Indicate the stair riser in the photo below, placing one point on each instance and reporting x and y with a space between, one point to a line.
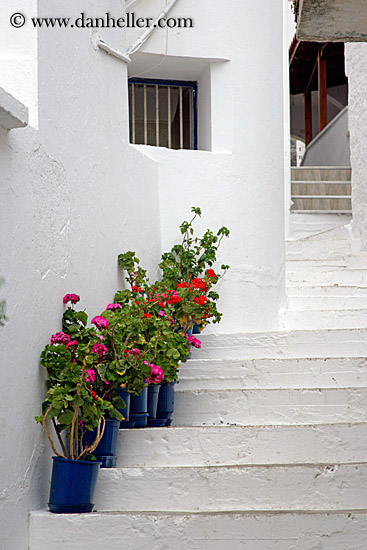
326 302
234 445
311 253
293 531
334 204
259 407
310 320
283 344
313 188
341 277
264 488
318 292
321 174
273 373
340 264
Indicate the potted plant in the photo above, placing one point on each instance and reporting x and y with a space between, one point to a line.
73 407
143 341
188 268
181 303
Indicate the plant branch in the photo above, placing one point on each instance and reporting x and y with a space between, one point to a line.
59 437
48 434
156 346
90 449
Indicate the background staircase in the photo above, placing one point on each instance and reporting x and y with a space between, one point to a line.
316 189
269 446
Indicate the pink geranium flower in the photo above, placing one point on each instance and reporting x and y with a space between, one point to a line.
73 298
156 374
71 344
193 341
99 349
60 338
91 375
133 351
113 307
100 322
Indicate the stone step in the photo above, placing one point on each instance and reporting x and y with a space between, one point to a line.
233 488
341 291
301 250
257 407
317 173
321 204
327 244
322 319
345 262
305 225
306 303
242 445
199 531
332 276
284 344
234 374
306 188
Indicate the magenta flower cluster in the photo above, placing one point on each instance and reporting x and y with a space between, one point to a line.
133 351
71 344
73 298
100 322
113 307
60 338
156 374
193 341
91 375
99 349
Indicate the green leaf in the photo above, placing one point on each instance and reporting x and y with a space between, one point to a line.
65 418
82 317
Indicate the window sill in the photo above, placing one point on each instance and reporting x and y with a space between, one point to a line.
155 152
13 114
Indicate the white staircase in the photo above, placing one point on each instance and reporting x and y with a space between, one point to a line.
269 445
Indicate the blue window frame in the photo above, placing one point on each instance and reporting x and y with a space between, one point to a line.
163 113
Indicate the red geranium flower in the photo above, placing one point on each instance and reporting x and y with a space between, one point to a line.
201 300
183 285
210 273
174 300
199 284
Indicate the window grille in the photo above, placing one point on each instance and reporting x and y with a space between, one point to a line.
163 113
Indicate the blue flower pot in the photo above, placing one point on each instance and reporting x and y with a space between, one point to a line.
139 408
153 391
125 395
166 399
106 448
157 422
139 403
72 485
140 420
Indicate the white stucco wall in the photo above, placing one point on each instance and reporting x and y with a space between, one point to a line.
240 182
73 196
356 69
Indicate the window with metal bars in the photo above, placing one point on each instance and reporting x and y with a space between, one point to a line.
163 113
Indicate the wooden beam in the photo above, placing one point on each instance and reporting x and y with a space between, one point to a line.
311 79
308 117
321 64
297 45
